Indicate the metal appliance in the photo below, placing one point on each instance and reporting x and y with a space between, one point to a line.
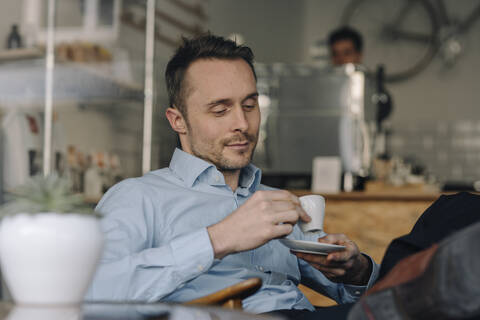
309 112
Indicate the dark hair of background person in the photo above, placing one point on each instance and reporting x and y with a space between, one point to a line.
346 33
206 46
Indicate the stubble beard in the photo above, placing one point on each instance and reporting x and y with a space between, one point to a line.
213 152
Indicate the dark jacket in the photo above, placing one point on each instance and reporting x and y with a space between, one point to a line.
445 216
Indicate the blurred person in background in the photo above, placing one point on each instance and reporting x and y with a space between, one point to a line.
346 45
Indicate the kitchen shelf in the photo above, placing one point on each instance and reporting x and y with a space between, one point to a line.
20 53
23 82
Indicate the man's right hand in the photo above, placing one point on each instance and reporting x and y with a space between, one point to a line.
265 216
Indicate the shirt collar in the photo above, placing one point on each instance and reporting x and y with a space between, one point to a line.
250 177
189 168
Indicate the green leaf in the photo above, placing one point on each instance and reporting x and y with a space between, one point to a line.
45 194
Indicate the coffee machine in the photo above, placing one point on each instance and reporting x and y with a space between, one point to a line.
309 112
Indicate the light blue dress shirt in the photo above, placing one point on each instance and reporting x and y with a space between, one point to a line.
157 246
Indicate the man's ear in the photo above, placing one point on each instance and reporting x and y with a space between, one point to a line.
177 122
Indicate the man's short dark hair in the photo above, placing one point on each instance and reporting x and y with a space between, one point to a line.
206 46
346 33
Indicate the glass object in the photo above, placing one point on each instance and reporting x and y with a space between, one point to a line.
14 40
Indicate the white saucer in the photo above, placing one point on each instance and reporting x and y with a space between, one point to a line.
311 246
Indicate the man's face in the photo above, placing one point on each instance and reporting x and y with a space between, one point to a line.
223 116
343 51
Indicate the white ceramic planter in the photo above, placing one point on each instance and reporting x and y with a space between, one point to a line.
49 258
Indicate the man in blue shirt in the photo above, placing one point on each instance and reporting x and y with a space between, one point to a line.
206 222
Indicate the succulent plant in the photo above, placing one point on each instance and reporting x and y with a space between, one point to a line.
45 194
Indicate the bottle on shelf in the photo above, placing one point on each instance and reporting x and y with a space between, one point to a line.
14 40
93 184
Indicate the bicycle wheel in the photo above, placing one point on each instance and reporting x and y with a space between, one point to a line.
400 34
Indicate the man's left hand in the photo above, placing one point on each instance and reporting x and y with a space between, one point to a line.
348 266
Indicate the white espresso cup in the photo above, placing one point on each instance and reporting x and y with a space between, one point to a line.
314 206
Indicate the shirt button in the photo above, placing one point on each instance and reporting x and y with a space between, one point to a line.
217 178
357 293
200 267
260 268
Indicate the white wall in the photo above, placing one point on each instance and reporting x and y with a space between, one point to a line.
273 29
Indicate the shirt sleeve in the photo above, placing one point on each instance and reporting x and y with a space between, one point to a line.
340 292
130 268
